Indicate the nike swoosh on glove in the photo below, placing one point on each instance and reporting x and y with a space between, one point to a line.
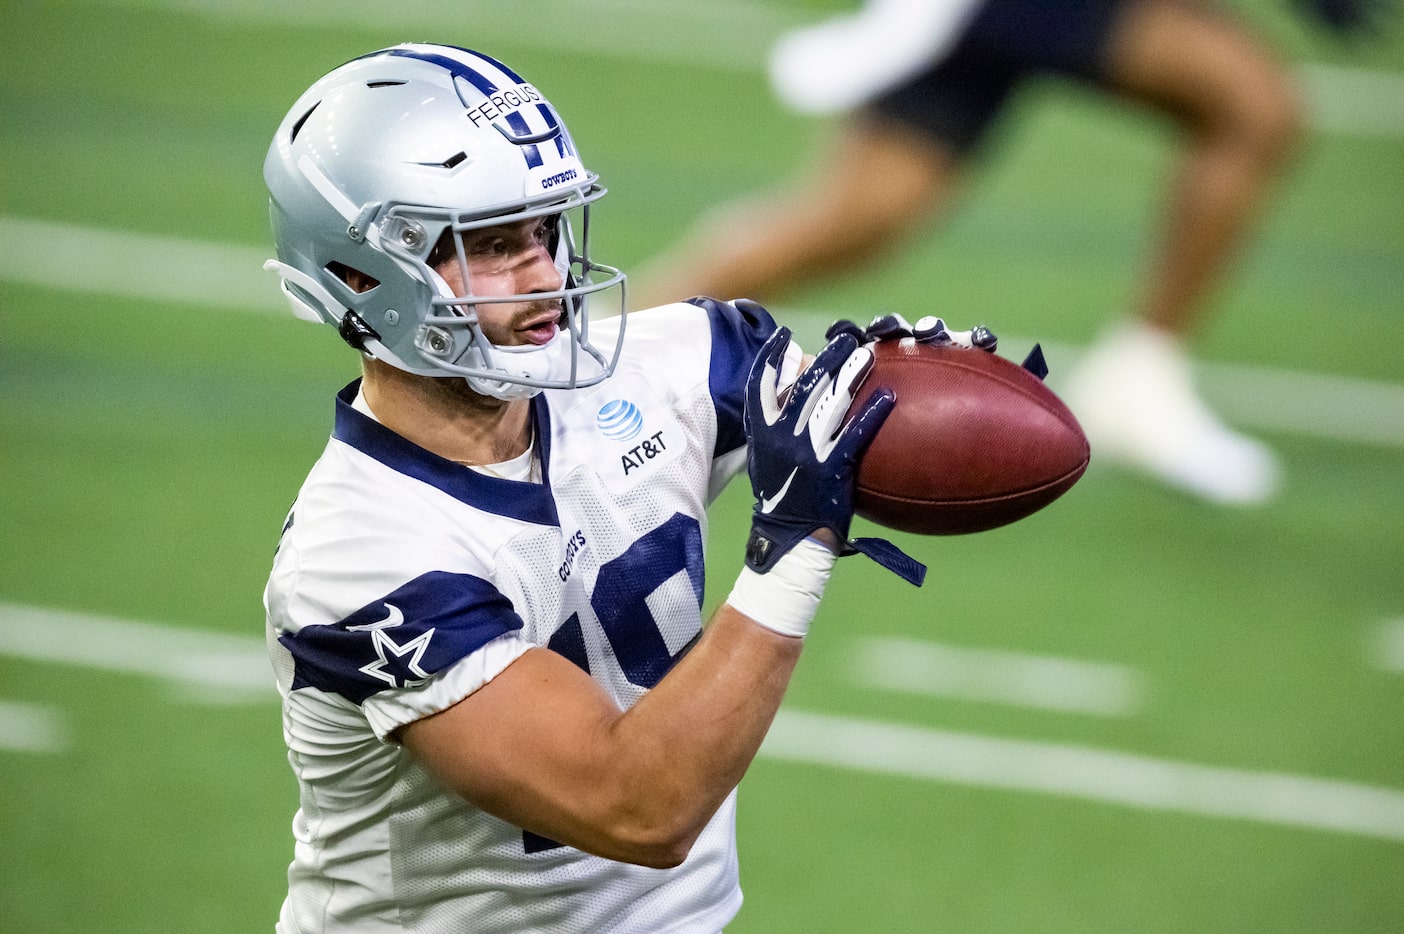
803 457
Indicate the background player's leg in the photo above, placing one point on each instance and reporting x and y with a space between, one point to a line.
874 184
1238 116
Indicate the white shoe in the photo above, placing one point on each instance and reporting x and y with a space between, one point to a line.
842 61
1135 399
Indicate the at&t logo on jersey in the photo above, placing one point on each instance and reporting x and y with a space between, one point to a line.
623 422
619 420
646 450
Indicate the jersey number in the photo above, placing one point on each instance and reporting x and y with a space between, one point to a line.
620 605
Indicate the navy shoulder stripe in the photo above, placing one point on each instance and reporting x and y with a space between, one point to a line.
738 330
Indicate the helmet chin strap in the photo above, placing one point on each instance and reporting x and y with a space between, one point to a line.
538 361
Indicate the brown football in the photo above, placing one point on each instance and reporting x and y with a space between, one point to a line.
974 442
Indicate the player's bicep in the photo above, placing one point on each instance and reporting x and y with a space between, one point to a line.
527 747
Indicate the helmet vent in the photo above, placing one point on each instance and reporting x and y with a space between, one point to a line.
455 159
355 280
297 127
383 84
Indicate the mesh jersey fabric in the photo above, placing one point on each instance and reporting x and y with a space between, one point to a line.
404 582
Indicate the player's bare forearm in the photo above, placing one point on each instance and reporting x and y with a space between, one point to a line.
542 746
699 729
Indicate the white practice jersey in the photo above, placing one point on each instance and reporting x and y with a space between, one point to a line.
404 582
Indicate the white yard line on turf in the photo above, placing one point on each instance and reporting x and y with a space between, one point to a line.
212 664
31 728
198 274
1314 405
193 273
1039 681
1096 775
1388 649
1353 101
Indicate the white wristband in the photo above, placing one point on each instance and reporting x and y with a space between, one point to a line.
785 598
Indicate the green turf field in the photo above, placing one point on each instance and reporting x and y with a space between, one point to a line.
1220 747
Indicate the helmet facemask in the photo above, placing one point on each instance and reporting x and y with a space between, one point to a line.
451 336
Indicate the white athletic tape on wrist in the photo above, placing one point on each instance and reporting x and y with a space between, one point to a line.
785 598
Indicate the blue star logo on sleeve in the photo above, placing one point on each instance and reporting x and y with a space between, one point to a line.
401 639
396 664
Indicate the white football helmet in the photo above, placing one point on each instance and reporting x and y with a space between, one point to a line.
393 151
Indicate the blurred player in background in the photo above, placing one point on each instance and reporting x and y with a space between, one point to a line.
924 82
484 613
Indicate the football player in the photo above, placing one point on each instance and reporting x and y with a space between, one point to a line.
500 704
924 84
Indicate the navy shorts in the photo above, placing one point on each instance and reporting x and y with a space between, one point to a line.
1006 42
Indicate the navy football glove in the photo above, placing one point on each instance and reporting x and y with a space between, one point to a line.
803 459
927 330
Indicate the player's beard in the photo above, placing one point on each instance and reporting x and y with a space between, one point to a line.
458 392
